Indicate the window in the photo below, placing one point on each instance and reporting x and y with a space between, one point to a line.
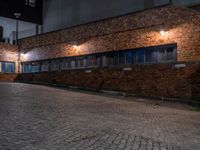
85 62
7 67
91 61
150 56
166 54
45 66
161 54
170 54
94 61
104 61
122 58
140 57
55 65
80 62
155 54
72 63
115 60
26 68
109 59
129 58
65 64
134 60
98 60
35 67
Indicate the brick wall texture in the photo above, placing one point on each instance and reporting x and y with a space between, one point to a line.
164 80
8 77
9 53
141 29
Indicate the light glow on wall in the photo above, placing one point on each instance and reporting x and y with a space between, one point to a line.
163 33
75 46
24 56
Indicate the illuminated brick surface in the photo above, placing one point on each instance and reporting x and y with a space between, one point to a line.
181 26
142 29
9 53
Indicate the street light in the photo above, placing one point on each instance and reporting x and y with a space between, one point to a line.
17 15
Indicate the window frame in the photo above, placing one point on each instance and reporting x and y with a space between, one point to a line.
4 69
109 59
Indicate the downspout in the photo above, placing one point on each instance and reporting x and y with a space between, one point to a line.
19 58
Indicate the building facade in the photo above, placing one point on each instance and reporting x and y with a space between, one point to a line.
154 53
9 60
60 14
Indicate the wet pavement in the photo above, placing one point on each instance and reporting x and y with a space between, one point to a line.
39 117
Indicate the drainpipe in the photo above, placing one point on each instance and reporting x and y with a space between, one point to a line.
17 15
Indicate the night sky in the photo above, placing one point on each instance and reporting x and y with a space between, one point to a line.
31 10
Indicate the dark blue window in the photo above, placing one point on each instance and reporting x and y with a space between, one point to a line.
140 56
154 54
122 58
26 68
45 66
115 59
8 67
166 54
161 54
150 55
35 67
55 65
134 60
109 59
129 58
98 60
85 62
91 61
80 63
104 61
170 54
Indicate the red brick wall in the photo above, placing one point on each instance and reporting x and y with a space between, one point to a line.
8 77
142 29
9 53
182 26
164 80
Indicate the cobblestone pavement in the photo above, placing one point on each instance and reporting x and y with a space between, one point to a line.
39 117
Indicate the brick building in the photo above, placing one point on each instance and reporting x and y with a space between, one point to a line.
154 53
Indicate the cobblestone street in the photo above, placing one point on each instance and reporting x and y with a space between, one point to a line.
39 117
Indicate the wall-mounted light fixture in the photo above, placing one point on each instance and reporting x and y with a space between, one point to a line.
75 46
163 31
23 55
